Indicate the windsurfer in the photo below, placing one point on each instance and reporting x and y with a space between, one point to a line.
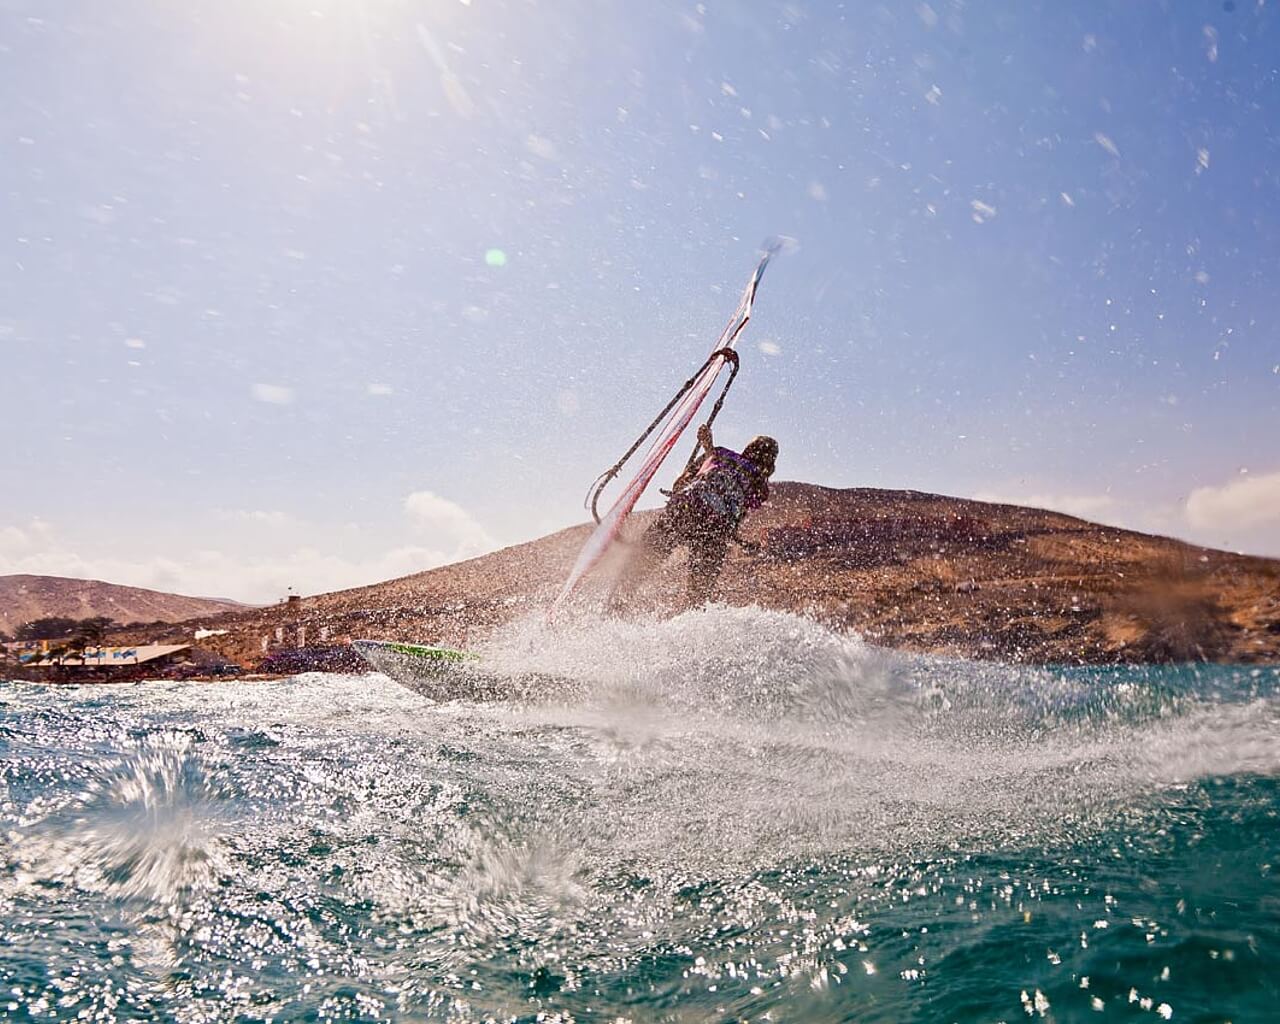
708 503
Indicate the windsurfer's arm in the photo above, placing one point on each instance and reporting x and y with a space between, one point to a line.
700 452
685 478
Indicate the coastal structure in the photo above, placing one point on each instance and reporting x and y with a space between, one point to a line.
50 658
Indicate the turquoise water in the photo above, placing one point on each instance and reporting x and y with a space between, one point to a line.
739 816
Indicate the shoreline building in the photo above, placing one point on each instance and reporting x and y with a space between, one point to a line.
57 660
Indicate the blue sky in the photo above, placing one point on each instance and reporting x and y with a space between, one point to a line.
251 339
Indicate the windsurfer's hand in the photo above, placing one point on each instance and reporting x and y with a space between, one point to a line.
704 436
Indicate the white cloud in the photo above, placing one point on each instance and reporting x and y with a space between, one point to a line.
447 524
12 539
215 573
441 532
1084 506
273 394
1242 504
377 389
1240 515
16 541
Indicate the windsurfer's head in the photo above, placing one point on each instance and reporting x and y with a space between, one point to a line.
763 451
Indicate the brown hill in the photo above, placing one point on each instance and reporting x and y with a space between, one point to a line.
25 598
909 570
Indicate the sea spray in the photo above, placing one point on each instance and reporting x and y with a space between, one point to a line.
143 828
737 813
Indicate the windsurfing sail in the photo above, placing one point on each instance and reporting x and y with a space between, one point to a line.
665 431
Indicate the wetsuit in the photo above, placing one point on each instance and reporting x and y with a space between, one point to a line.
704 515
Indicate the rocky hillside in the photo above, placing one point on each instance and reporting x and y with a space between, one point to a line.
26 598
909 570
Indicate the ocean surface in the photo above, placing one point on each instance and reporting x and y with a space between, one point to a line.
737 816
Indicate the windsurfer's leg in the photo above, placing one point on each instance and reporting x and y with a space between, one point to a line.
653 548
706 556
656 545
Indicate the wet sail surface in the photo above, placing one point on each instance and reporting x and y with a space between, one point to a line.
739 814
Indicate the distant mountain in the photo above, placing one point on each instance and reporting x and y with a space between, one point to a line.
915 571
24 598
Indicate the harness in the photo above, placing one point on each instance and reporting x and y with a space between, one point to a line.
728 485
